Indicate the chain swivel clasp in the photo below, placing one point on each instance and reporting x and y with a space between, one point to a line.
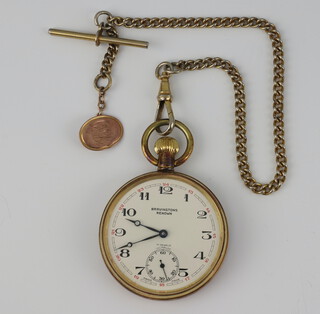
164 99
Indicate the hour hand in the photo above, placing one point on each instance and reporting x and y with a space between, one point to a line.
138 223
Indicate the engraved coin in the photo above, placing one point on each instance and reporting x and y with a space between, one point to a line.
101 132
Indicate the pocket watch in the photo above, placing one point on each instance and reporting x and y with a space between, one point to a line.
164 234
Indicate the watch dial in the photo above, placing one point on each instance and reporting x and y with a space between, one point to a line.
163 235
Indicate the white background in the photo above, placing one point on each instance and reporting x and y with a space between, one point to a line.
53 190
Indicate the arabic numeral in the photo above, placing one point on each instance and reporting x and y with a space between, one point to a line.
165 190
206 235
200 255
202 214
124 253
183 272
141 269
161 279
129 212
120 232
173 273
144 196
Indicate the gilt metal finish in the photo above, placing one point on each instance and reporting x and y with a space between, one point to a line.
92 37
164 101
109 29
240 105
166 148
155 125
133 286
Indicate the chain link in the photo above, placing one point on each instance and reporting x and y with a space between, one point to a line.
240 122
232 71
106 65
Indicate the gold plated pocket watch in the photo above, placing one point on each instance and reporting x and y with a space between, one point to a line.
164 234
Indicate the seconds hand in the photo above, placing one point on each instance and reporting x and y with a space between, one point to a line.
163 266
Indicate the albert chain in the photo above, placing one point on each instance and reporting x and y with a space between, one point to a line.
166 69
108 59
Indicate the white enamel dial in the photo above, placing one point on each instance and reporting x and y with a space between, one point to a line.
163 235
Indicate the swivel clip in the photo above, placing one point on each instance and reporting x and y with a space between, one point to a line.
164 101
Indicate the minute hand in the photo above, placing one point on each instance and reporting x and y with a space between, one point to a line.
138 223
130 244
145 239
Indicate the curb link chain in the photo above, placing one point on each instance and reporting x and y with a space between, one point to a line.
232 71
105 72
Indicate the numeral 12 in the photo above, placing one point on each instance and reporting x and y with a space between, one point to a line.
166 190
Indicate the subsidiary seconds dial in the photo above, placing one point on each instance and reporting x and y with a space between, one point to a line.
163 235
162 265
